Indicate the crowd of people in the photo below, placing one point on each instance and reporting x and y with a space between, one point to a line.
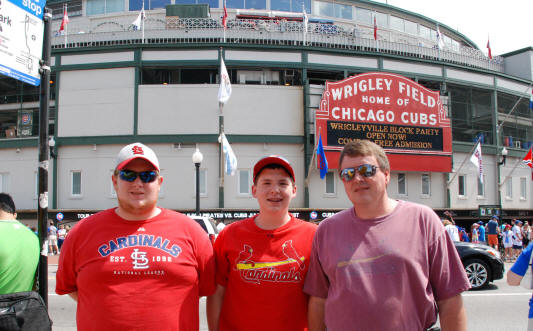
509 237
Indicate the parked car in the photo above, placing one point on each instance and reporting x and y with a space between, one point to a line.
483 264
208 226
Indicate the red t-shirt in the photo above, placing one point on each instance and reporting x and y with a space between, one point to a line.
137 275
263 272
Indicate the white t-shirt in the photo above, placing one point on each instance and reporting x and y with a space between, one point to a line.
452 231
220 226
517 236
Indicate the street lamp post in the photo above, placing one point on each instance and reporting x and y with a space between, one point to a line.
197 158
504 153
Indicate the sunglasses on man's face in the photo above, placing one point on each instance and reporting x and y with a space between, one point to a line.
365 170
130 176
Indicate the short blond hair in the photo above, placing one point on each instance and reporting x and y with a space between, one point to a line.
363 147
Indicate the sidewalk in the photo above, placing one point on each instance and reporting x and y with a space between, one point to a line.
53 259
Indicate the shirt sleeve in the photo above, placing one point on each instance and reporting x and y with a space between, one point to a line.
66 276
206 265
522 263
222 262
446 275
316 281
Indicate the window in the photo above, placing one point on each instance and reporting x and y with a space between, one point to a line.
244 182
75 183
523 188
136 5
424 32
3 182
462 185
330 183
397 23
382 20
509 188
480 187
343 11
96 7
426 187
323 9
411 28
402 184
364 16
211 3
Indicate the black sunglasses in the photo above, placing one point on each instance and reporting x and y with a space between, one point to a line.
130 176
365 170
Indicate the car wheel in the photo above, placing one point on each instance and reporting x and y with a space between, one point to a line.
477 272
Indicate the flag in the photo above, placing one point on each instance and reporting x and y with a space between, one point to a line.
230 159
64 21
440 39
375 28
225 17
224 92
306 20
528 160
531 100
137 23
488 47
477 160
321 158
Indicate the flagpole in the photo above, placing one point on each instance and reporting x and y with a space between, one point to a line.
462 164
312 161
66 25
220 132
142 22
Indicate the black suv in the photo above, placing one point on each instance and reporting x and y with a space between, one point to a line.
482 263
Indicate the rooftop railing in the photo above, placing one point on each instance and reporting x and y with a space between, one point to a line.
119 30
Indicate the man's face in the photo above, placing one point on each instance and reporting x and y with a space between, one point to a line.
137 198
274 190
365 190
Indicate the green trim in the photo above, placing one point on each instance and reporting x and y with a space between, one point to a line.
86 66
137 82
184 139
19 142
307 124
518 51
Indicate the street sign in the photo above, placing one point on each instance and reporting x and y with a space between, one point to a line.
21 39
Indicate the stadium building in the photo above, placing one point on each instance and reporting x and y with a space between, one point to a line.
113 83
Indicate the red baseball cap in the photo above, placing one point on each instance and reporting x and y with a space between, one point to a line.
135 151
273 159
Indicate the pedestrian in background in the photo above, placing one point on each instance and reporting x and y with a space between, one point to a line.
526 234
493 232
481 232
52 239
137 266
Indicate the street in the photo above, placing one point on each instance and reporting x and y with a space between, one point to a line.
499 307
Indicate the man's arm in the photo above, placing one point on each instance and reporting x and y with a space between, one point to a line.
452 314
74 295
315 314
214 306
513 279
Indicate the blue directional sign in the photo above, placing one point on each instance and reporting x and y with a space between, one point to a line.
21 39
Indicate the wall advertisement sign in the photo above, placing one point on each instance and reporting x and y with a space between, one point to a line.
405 118
21 39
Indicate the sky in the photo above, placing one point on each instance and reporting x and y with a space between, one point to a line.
509 24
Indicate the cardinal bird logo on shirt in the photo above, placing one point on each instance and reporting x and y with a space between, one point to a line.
283 270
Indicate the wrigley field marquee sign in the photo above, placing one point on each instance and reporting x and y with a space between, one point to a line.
402 116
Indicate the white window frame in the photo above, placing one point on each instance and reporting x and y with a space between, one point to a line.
461 178
72 195
332 177
405 193
4 177
428 193
481 185
523 188
509 188
248 184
